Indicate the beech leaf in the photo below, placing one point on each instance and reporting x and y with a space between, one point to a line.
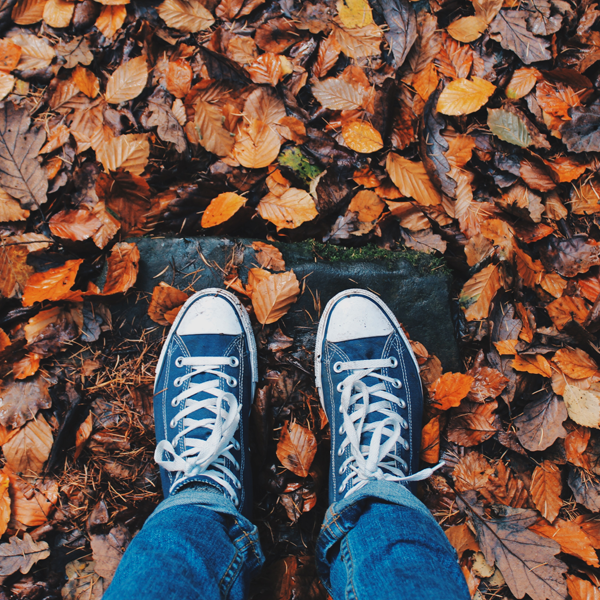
186 15
508 127
463 96
123 267
541 422
546 485
296 448
583 406
411 179
273 296
289 210
222 208
29 449
128 81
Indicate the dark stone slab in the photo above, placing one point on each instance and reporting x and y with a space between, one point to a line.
418 295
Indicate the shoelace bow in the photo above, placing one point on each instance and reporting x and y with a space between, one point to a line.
373 460
205 456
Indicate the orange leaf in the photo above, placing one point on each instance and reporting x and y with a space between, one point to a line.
546 485
268 256
478 293
10 54
450 389
570 537
576 444
430 441
467 29
506 347
522 82
54 284
272 297
567 308
4 503
362 137
179 78
86 81
425 81
366 178
368 205
165 300
123 267
532 363
463 97
580 589
257 145
82 435
4 342
29 449
462 539
75 225
296 448
411 179
289 210
530 271
128 81
472 472
27 366
110 20
267 69
575 363
128 152
222 208
28 12
186 15
58 13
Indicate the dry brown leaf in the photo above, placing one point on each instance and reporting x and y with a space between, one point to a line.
296 448
289 210
54 284
128 81
185 15
123 267
339 94
575 363
209 121
10 54
222 208
127 152
4 503
450 389
28 12
426 81
165 301
532 363
467 29
268 68
411 179
272 297
472 472
27 366
571 538
478 293
268 256
583 406
360 42
58 13
108 549
329 52
86 81
257 145
462 539
21 400
522 82
179 78
430 441
580 589
546 486
110 20
29 449
75 225
7 83
21 554
10 209
83 434
566 309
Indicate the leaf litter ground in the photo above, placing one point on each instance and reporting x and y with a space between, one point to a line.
468 130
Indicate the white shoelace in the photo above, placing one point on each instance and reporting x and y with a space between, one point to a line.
372 461
205 457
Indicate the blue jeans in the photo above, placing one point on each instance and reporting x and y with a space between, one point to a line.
380 543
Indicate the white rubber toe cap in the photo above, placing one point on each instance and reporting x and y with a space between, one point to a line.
210 314
356 317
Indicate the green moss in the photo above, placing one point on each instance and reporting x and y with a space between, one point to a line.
424 263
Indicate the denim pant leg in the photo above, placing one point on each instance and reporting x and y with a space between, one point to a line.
383 543
194 545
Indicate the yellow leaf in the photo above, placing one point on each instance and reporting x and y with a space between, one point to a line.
185 15
257 145
222 208
86 81
128 152
354 13
110 20
58 13
362 137
368 205
289 210
478 293
29 449
412 180
467 29
128 81
273 296
463 97
532 363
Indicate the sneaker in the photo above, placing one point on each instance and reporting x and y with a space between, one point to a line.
369 385
205 382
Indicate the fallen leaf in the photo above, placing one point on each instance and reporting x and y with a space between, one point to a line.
28 12
411 179
222 208
583 406
472 423
268 256
4 503
83 583
127 152
462 97
29 449
541 422
110 20
508 127
546 486
536 364
27 366
296 448
430 441
487 383
362 137
21 554
467 29
402 33
256 146
82 435
580 589
185 15
128 81
368 206
289 210
54 284
566 309
575 363
179 78
504 488
272 297
108 549
582 132
86 81
354 13
450 389
571 256
165 303
522 82
58 13
21 400
472 472
478 293
339 94
123 267
75 225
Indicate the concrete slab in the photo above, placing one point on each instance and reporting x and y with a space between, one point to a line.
418 295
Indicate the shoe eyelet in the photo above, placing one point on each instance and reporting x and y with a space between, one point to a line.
236 502
342 470
341 430
232 382
403 423
177 382
175 402
341 409
233 361
397 384
394 362
236 445
172 423
340 386
238 485
340 452
179 361
402 404
341 488
337 367
406 445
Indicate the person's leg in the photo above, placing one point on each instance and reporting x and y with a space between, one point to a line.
378 540
199 543
195 545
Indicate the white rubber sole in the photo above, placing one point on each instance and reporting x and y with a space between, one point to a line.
323 322
244 318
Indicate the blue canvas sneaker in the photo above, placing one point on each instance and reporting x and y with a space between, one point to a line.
205 382
369 385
